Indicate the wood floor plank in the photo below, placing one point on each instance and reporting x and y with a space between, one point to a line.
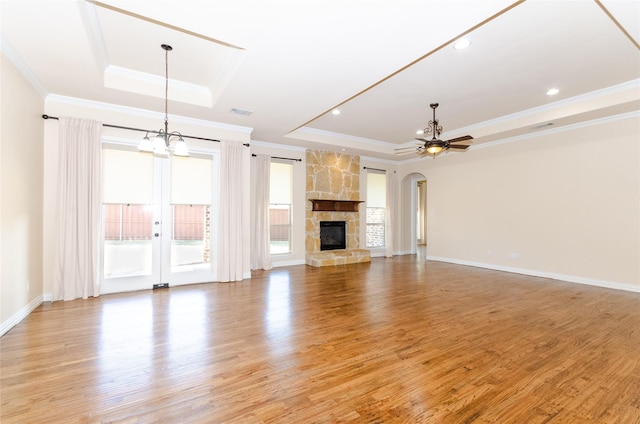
394 340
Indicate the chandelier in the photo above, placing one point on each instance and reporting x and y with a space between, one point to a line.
162 141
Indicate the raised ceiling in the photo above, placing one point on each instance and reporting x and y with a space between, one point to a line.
290 63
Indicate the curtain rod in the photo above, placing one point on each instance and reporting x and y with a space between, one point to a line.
278 157
143 130
375 169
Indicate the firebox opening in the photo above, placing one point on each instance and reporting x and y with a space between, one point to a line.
333 235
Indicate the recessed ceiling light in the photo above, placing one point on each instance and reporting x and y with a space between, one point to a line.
335 112
463 43
420 132
552 92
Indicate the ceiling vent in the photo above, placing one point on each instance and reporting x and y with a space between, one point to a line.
545 125
240 111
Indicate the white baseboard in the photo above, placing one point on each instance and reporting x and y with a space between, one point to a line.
403 252
562 277
20 315
288 263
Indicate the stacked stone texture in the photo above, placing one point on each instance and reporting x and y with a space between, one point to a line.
332 176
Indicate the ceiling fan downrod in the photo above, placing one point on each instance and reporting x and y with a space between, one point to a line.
434 126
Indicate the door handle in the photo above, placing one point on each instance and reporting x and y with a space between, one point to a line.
156 235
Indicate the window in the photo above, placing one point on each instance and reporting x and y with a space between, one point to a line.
376 209
281 180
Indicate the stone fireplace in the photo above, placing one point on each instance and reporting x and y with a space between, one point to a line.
333 192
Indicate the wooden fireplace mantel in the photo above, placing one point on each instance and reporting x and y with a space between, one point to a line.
335 205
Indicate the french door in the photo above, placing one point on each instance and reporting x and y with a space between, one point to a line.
159 225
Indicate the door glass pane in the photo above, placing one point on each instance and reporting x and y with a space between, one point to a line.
127 212
191 194
127 240
191 235
191 180
127 176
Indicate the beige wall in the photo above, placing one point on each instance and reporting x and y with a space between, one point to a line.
21 187
565 204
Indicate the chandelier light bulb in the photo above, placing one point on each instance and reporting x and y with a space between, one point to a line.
181 148
146 145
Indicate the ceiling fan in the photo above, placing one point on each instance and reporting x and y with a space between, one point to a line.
435 146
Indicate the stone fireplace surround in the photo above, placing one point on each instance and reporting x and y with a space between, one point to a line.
335 177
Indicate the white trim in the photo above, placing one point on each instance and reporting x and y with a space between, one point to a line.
20 315
92 27
22 67
278 146
563 128
339 136
592 95
289 263
562 277
389 162
378 252
144 113
132 81
403 252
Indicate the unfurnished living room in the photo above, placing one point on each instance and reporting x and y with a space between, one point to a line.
366 211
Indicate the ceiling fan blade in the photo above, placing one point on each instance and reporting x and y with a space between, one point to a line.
459 139
458 146
423 140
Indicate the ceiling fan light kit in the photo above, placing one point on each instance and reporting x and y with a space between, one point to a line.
435 146
161 143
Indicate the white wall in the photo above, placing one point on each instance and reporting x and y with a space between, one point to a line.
563 204
21 188
297 255
109 114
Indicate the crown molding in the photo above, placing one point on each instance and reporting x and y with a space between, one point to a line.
277 146
631 86
555 130
132 81
9 52
109 107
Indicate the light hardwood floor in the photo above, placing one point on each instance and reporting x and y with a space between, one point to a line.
396 340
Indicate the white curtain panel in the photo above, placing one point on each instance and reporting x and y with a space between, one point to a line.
260 237
391 184
78 207
231 212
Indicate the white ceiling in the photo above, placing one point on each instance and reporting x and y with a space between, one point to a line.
382 62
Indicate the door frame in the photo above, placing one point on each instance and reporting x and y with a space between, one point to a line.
161 273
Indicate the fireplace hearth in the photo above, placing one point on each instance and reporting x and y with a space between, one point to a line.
333 235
